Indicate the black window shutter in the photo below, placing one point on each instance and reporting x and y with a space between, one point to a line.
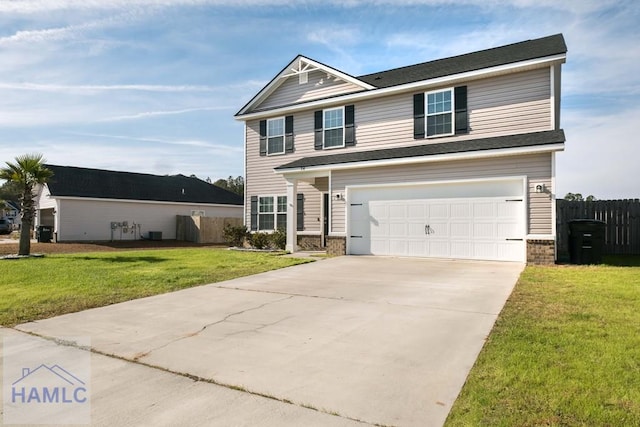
300 212
349 127
418 116
263 137
254 213
460 101
288 134
318 117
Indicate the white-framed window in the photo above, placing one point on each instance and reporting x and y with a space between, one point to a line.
275 136
281 213
439 108
272 212
333 125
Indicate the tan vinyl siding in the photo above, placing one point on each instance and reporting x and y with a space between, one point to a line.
517 103
536 167
312 203
320 85
508 104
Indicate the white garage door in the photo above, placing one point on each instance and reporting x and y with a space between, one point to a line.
385 221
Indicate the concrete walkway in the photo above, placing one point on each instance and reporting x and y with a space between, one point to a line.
344 341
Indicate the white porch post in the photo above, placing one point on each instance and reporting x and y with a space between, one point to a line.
292 205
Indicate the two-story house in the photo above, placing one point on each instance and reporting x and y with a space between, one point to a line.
452 158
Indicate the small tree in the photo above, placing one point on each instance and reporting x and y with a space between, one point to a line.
27 171
577 197
235 185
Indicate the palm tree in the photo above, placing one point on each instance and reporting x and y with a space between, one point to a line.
27 171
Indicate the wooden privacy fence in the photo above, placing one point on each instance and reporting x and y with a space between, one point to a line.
203 229
622 234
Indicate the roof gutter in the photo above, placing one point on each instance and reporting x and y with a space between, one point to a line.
547 148
408 87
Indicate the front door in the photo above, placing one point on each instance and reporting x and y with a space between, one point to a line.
325 218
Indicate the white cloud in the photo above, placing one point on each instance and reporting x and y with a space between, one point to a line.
90 89
39 6
178 142
150 114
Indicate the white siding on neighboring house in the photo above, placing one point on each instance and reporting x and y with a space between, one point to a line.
91 219
43 199
537 167
319 85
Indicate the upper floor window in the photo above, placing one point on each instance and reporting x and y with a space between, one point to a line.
275 136
440 113
334 128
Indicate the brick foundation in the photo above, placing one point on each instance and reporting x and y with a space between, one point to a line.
336 245
310 243
541 252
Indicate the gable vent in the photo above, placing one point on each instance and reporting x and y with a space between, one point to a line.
303 77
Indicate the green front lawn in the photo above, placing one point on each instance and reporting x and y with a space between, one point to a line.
565 351
37 288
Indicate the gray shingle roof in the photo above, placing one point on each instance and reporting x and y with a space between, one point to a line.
471 145
522 51
104 184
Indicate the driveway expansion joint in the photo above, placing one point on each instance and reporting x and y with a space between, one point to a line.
196 378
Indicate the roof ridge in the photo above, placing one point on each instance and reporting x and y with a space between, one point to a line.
475 52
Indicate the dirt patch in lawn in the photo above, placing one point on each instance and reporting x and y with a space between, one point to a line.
66 248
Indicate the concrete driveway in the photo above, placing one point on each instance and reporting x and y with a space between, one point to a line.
343 341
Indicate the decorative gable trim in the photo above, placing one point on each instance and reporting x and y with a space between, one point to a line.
298 67
453 79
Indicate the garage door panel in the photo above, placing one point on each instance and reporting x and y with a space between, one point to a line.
461 249
438 210
417 248
484 230
489 228
484 210
460 230
379 246
507 231
439 248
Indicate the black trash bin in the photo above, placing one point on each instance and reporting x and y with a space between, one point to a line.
44 233
586 241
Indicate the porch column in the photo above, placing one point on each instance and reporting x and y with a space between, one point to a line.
292 209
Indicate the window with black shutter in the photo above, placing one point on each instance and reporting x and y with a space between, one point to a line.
440 112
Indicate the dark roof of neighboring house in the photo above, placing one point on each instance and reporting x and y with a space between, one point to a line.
530 49
13 205
471 145
73 181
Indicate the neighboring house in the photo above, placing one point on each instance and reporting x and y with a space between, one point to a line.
100 205
451 158
10 210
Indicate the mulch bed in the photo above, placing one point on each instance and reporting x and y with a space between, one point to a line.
62 248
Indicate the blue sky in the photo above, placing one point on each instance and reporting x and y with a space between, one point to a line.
152 85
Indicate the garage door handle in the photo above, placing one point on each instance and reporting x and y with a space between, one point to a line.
428 229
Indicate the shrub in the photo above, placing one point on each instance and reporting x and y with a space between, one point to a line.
260 240
235 235
279 239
